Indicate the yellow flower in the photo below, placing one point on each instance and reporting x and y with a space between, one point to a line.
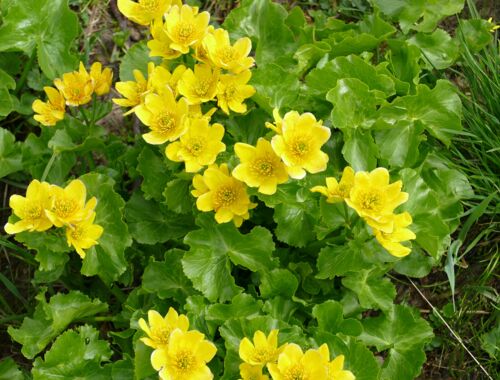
224 194
374 199
278 121
199 146
263 350
68 205
50 112
232 90
164 116
30 209
185 27
252 372
144 11
175 78
159 328
391 241
335 368
299 145
159 46
199 86
159 80
294 364
185 357
83 235
337 191
493 26
76 87
233 58
200 51
260 166
195 112
101 78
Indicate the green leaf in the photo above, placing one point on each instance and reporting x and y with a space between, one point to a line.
178 197
278 282
309 54
421 15
75 354
166 278
7 102
151 222
264 22
373 290
475 33
296 222
403 333
438 48
154 171
107 259
136 58
10 152
404 61
416 265
241 306
9 370
52 318
399 144
360 150
438 109
47 25
331 319
142 362
490 342
337 260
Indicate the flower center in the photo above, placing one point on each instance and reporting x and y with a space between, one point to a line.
184 361
33 212
295 373
77 233
225 196
228 54
185 32
165 122
370 201
195 147
263 167
262 355
202 87
161 335
150 5
299 148
343 190
230 91
64 207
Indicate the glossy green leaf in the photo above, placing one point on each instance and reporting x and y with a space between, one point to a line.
241 306
337 260
154 171
178 196
373 290
360 150
166 278
6 100
151 222
75 354
278 282
295 222
330 319
107 259
10 153
438 48
52 318
420 15
403 333
136 58
475 33
9 370
404 61
30 25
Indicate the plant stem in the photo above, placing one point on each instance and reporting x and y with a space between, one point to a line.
85 118
49 166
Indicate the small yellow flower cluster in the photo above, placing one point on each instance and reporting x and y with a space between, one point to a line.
374 199
48 205
288 362
74 89
178 354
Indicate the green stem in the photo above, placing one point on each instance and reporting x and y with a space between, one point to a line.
85 118
117 292
26 71
49 166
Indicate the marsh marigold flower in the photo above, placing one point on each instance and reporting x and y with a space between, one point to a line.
218 191
391 241
222 54
294 364
83 235
200 51
263 350
68 205
199 86
185 27
144 11
76 87
159 328
252 372
185 357
260 166
232 90
337 191
31 209
164 116
101 79
51 111
159 45
335 368
278 121
299 145
199 146
375 199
